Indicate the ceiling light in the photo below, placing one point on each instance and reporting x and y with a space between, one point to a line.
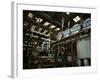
76 19
30 15
46 23
52 26
57 29
36 18
39 20
32 28
35 42
67 13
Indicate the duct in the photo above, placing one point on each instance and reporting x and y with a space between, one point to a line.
75 29
87 24
40 33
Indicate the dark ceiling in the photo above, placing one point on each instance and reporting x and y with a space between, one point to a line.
54 18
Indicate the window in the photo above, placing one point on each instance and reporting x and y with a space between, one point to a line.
76 19
46 23
30 15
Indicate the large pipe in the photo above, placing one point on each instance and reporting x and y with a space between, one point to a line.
62 23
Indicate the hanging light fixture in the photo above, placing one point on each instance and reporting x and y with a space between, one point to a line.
57 29
52 26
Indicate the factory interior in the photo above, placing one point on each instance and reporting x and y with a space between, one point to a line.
56 39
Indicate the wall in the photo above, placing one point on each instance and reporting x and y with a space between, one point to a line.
84 48
5 39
